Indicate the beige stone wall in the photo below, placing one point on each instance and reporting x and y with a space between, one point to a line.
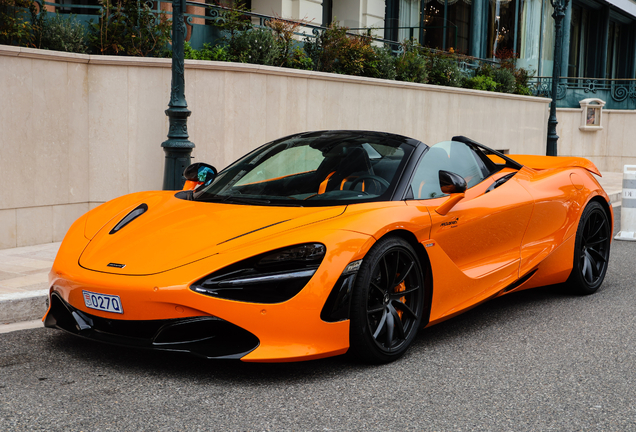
78 130
610 148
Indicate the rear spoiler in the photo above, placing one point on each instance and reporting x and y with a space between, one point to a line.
547 162
532 161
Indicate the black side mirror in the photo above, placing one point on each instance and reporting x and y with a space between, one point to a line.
200 172
451 183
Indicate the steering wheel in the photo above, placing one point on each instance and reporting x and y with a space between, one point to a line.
376 178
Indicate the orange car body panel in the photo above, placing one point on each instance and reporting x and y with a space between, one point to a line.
551 162
485 243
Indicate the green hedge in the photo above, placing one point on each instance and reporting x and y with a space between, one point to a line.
337 51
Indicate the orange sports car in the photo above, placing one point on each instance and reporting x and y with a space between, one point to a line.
321 243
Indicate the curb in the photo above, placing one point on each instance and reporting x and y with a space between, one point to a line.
615 198
23 306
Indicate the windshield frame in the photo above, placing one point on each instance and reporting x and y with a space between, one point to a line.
408 146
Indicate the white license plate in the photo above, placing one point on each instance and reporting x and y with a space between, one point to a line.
103 302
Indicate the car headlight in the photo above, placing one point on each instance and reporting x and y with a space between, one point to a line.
272 277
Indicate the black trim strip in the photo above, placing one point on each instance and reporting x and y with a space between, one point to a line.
250 232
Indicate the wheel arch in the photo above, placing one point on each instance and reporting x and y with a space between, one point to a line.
606 208
425 263
577 282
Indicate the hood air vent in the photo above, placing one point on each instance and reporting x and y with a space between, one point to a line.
141 209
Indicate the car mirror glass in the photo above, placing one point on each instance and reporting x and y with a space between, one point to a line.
451 183
200 173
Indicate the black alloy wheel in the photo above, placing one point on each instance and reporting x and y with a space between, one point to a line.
591 250
387 303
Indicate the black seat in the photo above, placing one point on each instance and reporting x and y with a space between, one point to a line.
353 164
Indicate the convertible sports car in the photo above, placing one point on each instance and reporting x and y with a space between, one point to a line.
325 242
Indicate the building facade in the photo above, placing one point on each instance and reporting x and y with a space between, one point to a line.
599 35
599 38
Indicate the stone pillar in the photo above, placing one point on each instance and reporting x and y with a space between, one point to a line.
565 54
632 64
194 10
348 13
291 9
476 30
603 38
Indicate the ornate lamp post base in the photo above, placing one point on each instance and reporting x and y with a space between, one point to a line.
177 147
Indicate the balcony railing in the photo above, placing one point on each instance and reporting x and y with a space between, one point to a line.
618 93
201 18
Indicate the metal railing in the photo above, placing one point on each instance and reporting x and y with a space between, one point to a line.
201 14
618 93
202 19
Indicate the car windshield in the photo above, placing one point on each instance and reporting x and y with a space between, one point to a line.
313 169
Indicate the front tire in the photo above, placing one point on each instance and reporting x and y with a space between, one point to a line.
591 250
387 303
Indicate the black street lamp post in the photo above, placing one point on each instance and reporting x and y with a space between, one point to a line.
559 13
177 147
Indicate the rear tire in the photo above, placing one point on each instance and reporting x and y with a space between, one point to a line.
591 250
387 303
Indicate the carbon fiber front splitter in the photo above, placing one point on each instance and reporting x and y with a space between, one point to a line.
206 336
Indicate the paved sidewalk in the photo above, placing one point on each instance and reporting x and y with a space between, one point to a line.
612 182
24 271
24 281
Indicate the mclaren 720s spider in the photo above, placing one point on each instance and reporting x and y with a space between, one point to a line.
322 243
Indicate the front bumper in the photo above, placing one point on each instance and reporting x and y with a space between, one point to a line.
289 331
205 336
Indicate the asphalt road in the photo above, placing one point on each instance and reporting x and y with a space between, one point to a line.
537 360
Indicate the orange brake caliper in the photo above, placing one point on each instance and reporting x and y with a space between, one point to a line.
401 287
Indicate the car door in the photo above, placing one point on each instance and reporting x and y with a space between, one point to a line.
481 235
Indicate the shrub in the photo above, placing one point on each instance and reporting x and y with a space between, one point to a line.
522 76
522 81
15 27
382 64
411 65
234 20
216 53
300 60
208 52
284 35
255 46
61 33
505 80
509 78
443 70
191 53
336 51
128 27
481 82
